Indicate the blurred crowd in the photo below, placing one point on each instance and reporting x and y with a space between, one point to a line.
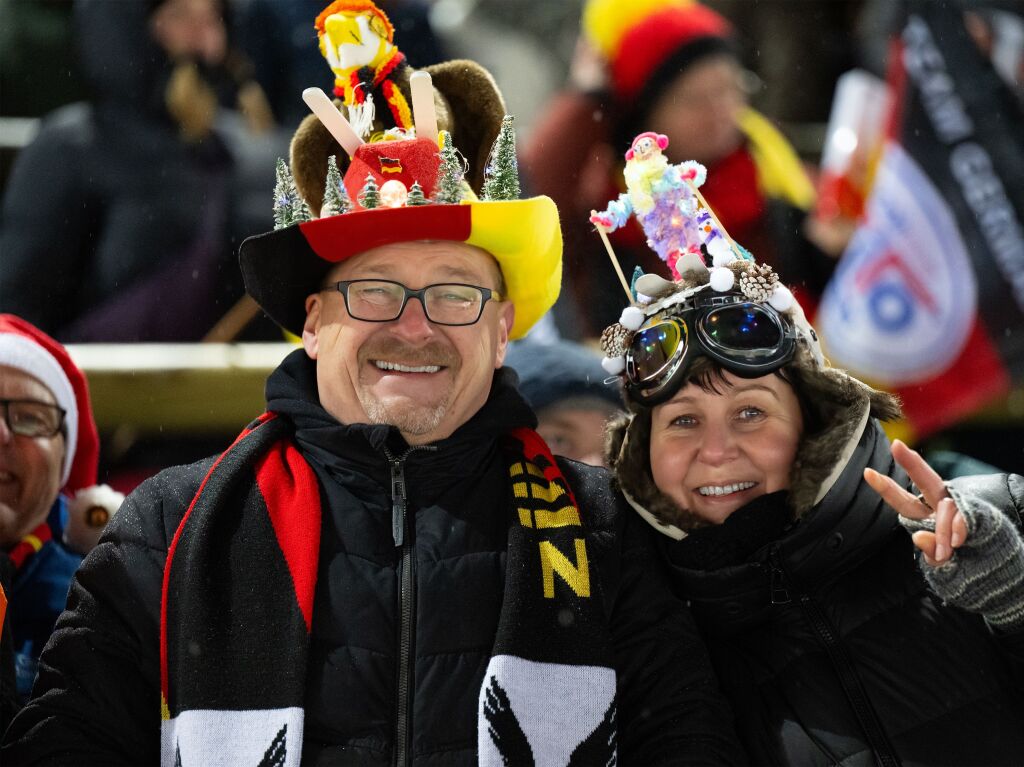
159 122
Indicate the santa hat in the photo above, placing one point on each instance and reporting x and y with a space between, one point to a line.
646 42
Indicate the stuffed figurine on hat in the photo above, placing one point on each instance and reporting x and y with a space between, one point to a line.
414 183
663 199
90 506
372 83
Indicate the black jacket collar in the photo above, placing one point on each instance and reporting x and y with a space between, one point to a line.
292 393
846 527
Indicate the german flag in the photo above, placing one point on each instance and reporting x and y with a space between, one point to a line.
928 299
390 165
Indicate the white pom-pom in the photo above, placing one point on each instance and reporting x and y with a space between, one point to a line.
722 279
781 299
631 318
88 514
720 251
613 365
723 259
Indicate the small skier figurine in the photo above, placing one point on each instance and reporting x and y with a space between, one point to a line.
666 203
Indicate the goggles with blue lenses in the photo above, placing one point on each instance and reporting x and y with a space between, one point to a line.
747 338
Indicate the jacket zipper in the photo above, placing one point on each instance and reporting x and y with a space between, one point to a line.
401 530
851 682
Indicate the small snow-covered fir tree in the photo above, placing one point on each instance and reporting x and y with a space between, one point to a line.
501 177
369 197
450 174
336 199
289 207
416 196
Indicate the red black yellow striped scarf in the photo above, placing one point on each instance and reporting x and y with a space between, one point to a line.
236 615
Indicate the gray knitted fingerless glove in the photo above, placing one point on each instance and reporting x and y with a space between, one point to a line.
986 574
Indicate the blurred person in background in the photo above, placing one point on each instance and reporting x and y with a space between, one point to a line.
51 512
672 67
563 382
117 219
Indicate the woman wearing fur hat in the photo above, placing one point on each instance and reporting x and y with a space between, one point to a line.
850 620
50 515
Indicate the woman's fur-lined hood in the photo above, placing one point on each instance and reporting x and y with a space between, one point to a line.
834 398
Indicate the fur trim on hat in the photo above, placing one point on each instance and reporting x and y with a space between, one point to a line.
839 406
836 408
468 105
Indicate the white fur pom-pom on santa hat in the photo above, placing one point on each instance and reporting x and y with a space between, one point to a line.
26 348
88 514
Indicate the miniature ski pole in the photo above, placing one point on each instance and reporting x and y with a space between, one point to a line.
611 255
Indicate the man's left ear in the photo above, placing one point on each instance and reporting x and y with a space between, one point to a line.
311 327
505 321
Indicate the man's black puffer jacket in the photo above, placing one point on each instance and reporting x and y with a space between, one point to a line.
833 650
97 699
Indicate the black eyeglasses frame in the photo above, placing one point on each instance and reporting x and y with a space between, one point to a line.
5 407
689 317
486 293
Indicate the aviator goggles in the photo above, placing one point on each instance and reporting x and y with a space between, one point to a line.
748 339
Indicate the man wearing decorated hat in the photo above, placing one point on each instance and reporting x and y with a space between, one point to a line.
388 566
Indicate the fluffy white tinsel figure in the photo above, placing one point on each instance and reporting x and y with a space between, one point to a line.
662 198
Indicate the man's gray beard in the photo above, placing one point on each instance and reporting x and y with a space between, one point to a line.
414 420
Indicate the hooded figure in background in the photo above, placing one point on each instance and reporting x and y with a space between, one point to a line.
565 385
118 217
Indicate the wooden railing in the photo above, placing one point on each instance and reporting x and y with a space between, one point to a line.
214 388
177 388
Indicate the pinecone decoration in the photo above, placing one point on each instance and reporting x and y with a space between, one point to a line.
758 282
615 340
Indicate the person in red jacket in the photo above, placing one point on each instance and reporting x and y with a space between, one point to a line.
671 67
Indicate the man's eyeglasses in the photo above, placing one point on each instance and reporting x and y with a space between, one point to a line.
32 418
384 300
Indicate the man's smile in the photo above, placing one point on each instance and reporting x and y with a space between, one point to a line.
398 367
